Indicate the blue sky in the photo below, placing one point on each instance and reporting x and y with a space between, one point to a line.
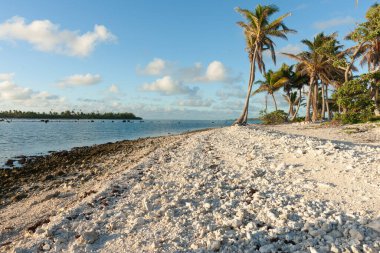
164 59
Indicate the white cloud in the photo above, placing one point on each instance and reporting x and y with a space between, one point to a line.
195 102
15 95
154 68
113 89
326 24
168 86
290 49
215 72
80 80
6 76
48 37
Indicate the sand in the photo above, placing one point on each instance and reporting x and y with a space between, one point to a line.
288 188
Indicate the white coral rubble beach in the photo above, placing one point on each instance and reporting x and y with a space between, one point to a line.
235 189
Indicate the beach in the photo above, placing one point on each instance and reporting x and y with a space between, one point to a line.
287 188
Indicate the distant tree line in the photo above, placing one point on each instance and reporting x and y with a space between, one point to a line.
14 114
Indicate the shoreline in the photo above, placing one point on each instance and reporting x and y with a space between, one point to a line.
50 165
140 194
20 160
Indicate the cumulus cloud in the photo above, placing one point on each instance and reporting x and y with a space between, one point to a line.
216 72
14 94
48 37
113 89
80 80
326 24
154 68
195 102
168 86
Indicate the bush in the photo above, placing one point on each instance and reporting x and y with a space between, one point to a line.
354 97
276 117
354 118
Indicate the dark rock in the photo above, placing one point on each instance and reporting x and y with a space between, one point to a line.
9 163
22 160
33 228
61 173
20 196
49 177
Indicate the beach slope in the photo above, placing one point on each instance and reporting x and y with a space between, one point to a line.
235 189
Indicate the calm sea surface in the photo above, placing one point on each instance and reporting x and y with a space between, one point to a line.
33 137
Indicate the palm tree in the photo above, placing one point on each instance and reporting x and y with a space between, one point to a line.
292 99
368 48
317 64
259 32
273 82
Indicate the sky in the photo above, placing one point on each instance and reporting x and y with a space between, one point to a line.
160 59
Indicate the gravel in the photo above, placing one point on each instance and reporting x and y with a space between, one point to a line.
236 189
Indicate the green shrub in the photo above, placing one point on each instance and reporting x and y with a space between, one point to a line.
375 119
355 99
299 119
276 117
354 118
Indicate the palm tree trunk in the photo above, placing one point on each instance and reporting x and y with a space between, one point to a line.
266 103
308 103
315 103
291 109
376 99
323 101
274 100
327 102
242 120
298 106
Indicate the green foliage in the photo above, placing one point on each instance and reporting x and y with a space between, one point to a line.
355 99
299 119
375 119
65 115
272 118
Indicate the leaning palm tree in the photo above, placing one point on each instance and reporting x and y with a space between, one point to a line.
273 82
259 32
317 65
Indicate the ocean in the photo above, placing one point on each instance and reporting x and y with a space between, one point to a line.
22 137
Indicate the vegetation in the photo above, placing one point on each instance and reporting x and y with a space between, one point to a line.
276 117
354 98
272 83
325 66
65 115
259 33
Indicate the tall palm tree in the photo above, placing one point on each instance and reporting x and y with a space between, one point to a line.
273 82
317 65
259 32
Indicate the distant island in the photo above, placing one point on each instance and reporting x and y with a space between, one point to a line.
14 114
